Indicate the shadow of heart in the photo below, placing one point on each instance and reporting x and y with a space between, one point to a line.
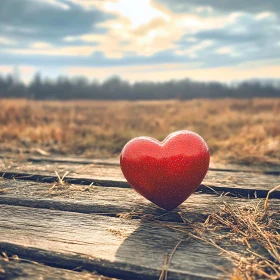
146 248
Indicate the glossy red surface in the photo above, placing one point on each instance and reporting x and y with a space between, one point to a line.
167 172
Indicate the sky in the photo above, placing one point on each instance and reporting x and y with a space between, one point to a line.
155 40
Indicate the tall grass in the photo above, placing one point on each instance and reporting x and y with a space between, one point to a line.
240 131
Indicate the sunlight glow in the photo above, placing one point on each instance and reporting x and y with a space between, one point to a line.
41 45
138 12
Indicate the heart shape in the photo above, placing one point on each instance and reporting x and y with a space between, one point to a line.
167 172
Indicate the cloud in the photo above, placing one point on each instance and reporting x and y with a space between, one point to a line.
195 49
41 45
83 34
161 31
252 6
242 37
6 41
36 19
266 16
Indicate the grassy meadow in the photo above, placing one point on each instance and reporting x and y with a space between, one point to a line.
237 131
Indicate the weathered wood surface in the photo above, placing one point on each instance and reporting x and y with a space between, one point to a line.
238 183
78 224
74 239
58 159
127 248
114 172
16 161
22 270
214 166
112 201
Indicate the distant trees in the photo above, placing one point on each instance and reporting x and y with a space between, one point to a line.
114 88
11 87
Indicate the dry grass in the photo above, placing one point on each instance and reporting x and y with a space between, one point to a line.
247 235
256 232
239 131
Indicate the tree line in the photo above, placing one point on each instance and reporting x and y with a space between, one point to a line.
114 88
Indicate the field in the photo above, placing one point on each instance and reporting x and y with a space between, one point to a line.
237 131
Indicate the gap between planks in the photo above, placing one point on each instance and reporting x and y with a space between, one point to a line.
113 201
243 191
25 270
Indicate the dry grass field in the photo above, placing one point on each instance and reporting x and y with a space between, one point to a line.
237 131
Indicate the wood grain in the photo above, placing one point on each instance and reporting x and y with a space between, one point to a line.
127 248
23 270
239 184
214 166
81 166
78 224
112 201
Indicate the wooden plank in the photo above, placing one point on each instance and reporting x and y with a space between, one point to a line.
58 159
128 249
114 172
240 184
214 166
23 270
111 201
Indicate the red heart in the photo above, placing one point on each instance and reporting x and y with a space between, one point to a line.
166 172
